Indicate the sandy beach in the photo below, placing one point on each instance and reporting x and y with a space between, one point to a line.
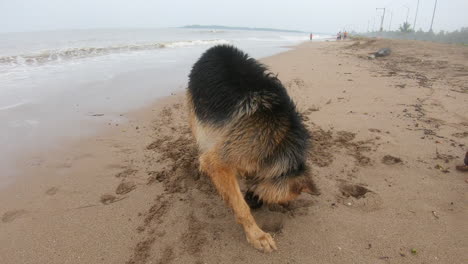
387 133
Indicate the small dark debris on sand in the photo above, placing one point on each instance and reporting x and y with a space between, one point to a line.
390 160
381 53
441 168
445 157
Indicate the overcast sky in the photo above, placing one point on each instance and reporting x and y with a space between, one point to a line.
308 15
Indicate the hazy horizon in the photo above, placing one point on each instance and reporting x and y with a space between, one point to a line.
330 16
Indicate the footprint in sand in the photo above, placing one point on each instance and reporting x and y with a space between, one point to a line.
52 191
10 216
461 135
126 173
116 166
83 156
109 198
356 191
272 224
298 207
125 187
36 162
167 255
390 160
65 165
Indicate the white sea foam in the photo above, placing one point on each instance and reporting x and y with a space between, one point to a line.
196 42
10 106
289 38
47 56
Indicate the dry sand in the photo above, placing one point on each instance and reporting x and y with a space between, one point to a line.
387 132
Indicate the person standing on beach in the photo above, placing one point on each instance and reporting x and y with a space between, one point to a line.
311 36
345 35
338 36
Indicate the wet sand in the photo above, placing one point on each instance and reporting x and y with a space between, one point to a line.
388 134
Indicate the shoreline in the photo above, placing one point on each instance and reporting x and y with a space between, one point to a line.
132 192
53 83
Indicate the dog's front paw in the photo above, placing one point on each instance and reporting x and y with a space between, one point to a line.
262 241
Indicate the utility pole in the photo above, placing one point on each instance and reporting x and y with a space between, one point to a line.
433 14
416 16
373 27
390 24
383 17
368 22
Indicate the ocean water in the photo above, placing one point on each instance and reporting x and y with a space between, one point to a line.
60 85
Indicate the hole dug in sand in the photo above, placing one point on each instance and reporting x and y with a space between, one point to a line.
273 225
390 160
359 197
10 216
356 191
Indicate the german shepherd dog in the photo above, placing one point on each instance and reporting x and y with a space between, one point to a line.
245 124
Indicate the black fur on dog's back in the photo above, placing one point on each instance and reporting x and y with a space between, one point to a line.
224 77
231 91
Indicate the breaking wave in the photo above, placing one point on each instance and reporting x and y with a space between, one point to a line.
85 52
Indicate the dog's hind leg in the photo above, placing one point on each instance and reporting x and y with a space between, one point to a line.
224 178
253 200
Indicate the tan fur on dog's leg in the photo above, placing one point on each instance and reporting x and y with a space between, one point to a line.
224 178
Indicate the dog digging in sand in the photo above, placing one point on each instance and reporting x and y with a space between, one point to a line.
245 124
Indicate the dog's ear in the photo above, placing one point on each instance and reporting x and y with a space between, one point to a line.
308 186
